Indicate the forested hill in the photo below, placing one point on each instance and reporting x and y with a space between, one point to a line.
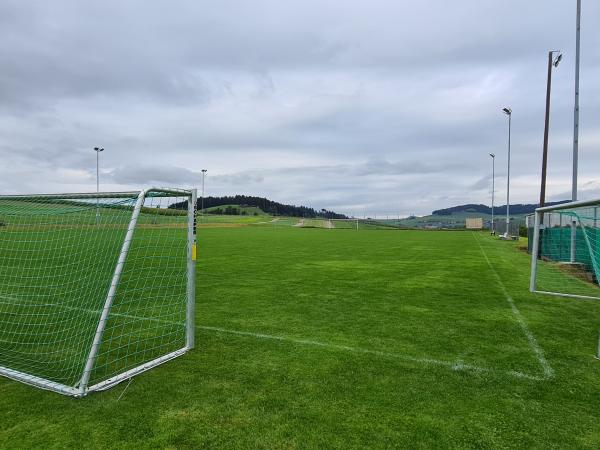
517 209
268 206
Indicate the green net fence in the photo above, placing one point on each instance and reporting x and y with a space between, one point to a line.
569 242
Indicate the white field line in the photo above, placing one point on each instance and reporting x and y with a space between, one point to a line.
456 366
533 343
452 365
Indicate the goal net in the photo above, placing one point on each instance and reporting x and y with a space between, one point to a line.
95 288
565 255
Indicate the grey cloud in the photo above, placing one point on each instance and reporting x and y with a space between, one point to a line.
379 105
375 168
238 179
352 187
482 183
588 191
160 175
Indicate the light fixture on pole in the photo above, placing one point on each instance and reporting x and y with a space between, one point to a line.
551 63
508 112
493 230
98 150
202 198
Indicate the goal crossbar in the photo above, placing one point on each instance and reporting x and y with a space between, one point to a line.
155 192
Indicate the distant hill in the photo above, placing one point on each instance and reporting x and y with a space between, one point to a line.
264 204
518 209
454 217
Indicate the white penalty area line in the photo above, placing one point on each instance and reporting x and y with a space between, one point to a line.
456 366
533 343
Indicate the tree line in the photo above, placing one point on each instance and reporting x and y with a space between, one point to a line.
230 210
266 205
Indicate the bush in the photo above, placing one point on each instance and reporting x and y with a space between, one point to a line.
523 231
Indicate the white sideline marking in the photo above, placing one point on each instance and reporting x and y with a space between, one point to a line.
533 344
456 366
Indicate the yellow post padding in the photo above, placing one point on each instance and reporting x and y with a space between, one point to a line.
194 252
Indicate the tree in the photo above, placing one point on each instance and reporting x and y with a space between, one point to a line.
268 206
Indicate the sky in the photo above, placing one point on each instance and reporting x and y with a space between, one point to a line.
361 107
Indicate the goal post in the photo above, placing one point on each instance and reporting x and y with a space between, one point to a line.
95 288
565 252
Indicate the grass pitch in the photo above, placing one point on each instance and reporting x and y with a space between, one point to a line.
312 338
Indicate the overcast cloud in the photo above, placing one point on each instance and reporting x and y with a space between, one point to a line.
356 106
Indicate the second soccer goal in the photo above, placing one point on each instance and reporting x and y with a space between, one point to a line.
95 288
565 250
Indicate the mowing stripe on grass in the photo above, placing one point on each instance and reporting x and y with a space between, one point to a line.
533 344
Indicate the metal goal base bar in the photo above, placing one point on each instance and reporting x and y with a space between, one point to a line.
558 294
78 392
107 384
40 382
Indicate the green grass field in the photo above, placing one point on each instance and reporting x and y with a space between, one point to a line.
308 338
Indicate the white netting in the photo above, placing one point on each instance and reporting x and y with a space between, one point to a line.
58 257
568 257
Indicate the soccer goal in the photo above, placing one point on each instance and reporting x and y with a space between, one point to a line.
565 255
95 288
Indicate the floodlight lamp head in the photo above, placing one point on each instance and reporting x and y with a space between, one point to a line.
557 60
98 149
507 111
492 155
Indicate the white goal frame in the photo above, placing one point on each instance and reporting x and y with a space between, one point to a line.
83 387
576 222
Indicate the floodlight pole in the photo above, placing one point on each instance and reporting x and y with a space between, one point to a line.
547 124
508 112
202 198
493 188
98 150
576 126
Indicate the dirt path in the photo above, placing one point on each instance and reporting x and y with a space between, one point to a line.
300 223
329 224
